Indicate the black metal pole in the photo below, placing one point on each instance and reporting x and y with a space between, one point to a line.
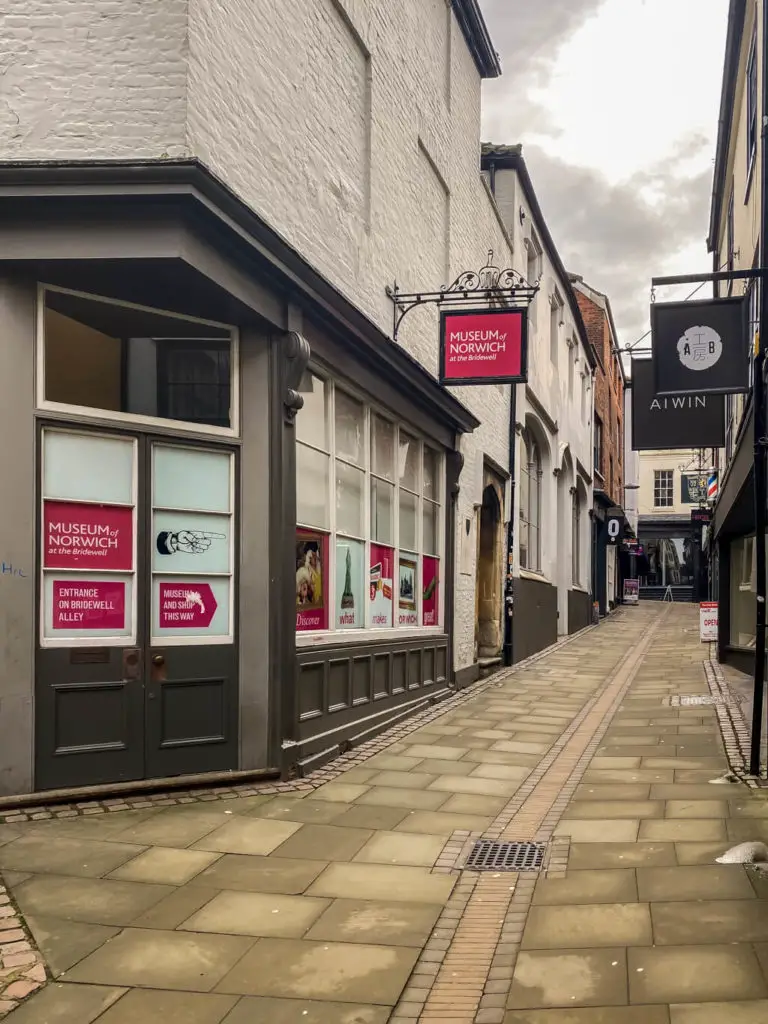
509 585
758 404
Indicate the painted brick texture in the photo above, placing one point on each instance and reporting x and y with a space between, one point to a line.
81 79
351 126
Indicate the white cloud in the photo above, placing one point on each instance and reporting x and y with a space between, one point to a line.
616 104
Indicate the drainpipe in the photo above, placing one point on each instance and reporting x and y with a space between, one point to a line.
758 400
509 596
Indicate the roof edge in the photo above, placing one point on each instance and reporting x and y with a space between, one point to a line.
477 36
736 16
511 158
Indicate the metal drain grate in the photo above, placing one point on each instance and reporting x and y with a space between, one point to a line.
488 855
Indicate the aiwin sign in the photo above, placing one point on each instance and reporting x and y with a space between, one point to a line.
673 421
484 346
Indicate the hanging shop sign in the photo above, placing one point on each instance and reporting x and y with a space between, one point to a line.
614 523
700 347
81 536
673 421
702 516
693 488
483 346
311 576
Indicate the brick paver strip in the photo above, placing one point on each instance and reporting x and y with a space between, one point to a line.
473 981
22 968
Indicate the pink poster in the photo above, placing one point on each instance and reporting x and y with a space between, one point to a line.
311 581
92 537
431 594
89 604
380 579
186 605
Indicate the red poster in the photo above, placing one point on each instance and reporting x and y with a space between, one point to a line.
311 581
89 604
431 594
92 537
483 346
380 581
186 605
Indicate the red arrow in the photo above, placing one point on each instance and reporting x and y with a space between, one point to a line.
186 605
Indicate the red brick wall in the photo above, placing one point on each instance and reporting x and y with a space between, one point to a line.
608 400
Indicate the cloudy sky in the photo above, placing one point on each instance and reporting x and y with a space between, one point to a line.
616 104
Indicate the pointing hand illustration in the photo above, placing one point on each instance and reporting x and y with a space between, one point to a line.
192 542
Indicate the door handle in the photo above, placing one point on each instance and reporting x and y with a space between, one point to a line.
158 659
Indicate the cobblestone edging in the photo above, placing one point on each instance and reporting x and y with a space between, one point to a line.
468 980
22 967
733 726
351 759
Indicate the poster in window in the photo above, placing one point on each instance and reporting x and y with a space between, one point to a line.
311 595
350 592
431 593
408 577
80 536
380 585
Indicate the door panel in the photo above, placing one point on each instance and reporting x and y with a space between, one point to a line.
110 707
191 671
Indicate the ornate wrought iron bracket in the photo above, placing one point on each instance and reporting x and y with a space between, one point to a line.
489 284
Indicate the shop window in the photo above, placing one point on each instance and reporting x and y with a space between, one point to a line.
670 561
530 506
129 360
370 517
663 488
743 590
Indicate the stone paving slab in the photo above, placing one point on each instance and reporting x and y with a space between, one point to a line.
341 898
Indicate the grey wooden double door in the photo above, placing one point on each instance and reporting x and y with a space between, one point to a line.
136 654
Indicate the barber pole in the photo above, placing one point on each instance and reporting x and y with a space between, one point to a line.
712 486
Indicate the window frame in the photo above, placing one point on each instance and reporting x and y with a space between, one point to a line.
532 470
597 445
367 632
576 512
667 485
753 102
130 419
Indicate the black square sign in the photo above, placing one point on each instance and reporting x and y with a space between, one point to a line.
701 347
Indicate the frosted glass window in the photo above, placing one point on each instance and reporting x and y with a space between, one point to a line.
408 462
185 478
409 511
350 494
350 429
431 474
312 418
382 512
312 473
76 605
383 448
185 607
190 542
82 467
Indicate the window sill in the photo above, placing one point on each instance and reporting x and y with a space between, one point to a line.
579 589
306 641
529 574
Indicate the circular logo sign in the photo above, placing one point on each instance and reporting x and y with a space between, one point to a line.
699 348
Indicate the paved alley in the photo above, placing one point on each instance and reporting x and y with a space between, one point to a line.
348 903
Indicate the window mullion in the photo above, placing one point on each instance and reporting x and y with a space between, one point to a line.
331 567
367 511
396 532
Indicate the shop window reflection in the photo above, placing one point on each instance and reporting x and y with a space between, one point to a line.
670 561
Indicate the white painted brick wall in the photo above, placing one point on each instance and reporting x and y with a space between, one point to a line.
351 126
84 79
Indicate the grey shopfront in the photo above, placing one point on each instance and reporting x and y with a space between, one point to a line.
160 347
